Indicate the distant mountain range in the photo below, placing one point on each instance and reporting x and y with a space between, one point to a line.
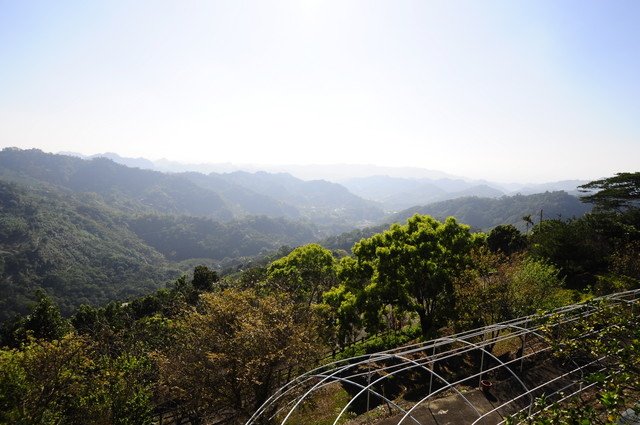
93 230
225 196
399 193
392 188
486 213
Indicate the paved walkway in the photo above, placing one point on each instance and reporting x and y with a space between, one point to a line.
452 410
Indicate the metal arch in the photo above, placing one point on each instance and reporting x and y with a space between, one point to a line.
332 376
314 387
433 343
415 364
547 383
485 351
280 392
565 315
578 368
307 376
369 358
339 379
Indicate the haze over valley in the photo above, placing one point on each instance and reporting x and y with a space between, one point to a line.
270 212
73 225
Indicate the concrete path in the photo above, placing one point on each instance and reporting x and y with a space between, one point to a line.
452 410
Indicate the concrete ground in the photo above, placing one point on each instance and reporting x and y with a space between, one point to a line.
452 410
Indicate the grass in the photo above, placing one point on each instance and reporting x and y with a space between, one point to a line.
322 407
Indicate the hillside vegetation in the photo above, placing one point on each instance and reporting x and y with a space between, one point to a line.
218 196
208 348
486 213
90 231
74 246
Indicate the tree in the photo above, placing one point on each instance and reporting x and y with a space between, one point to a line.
226 355
412 267
584 247
204 278
43 322
498 288
619 192
66 381
506 238
528 221
305 273
340 317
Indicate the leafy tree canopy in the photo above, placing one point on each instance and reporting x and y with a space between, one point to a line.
619 192
226 355
506 238
204 278
43 322
67 381
412 267
499 288
305 273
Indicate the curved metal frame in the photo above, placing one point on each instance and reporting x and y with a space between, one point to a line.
350 369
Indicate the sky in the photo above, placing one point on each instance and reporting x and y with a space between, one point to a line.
511 90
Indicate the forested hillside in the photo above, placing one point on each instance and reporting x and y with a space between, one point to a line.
329 205
479 213
396 194
128 189
208 348
82 250
182 237
486 213
219 196
89 231
75 246
92 231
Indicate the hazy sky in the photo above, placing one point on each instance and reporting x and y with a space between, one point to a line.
506 90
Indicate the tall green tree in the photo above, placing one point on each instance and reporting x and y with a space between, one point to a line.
305 273
584 247
619 192
204 278
44 321
412 267
507 239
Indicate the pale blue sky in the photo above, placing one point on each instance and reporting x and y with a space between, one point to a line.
504 90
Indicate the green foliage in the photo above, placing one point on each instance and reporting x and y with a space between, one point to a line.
340 317
128 189
535 285
619 192
346 241
506 238
43 322
67 382
225 356
379 342
625 261
611 334
498 288
221 197
182 237
204 278
305 273
76 247
410 267
584 247
486 213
